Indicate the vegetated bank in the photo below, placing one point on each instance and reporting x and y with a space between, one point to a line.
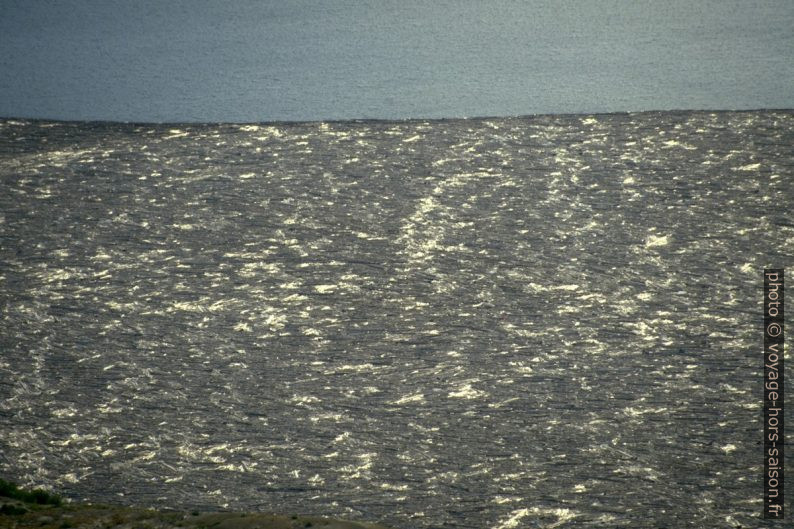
21 508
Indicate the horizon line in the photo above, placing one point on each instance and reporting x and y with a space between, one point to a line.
5 119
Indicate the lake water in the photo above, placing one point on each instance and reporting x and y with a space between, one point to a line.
498 323
261 61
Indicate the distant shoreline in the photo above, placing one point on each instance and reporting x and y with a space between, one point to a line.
10 119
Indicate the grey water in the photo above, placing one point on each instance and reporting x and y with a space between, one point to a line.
546 321
302 60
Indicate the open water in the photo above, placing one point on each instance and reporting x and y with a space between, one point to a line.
492 323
